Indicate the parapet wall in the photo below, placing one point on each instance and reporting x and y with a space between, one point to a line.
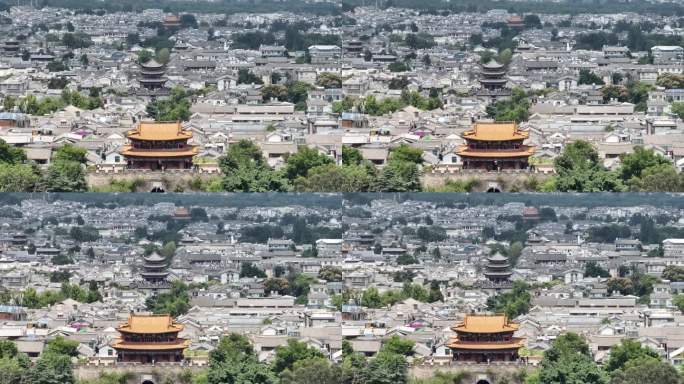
503 181
156 373
168 181
472 372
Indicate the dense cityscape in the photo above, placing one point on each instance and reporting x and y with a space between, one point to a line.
341 289
341 97
349 192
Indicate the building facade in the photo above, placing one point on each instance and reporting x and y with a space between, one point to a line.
159 146
150 339
152 75
485 339
493 80
495 147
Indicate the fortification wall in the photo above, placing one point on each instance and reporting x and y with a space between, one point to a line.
473 373
503 181
137 373
168 181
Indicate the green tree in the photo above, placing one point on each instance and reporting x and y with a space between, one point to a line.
505 56
573 369
18 178
286 356
659 178
52 368
333 178
516 108
406 153
233 361
247 77
70 152
513 303
633 164
627 351
8 349
65 176
343 105
277 284
312 371
647 370
406 259
588 77
678 301
10 154
8 103
231 347
569 361
329 80
330 273
250 270
593 269
678 109
399 346
673 273
579 169
386 368
163 56
176 302
175 108
532 21
306 158
275 91
398 176
670 81
62 346
351 156
245 170
144 56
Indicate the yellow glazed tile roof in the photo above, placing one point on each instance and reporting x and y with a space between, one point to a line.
159 131
485 324
495 132
150 324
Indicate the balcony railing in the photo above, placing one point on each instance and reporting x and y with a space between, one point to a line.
497 150
172 149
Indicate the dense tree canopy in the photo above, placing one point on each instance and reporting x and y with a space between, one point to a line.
175 108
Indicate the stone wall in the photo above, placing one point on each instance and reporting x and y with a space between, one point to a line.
137 373
473 373
168 181
503 181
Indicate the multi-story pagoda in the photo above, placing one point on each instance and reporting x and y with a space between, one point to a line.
150 339
11 48
493 80
154 269
171 21
495 147
485 339
181 213
152 75
498 270
516 22
159 146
